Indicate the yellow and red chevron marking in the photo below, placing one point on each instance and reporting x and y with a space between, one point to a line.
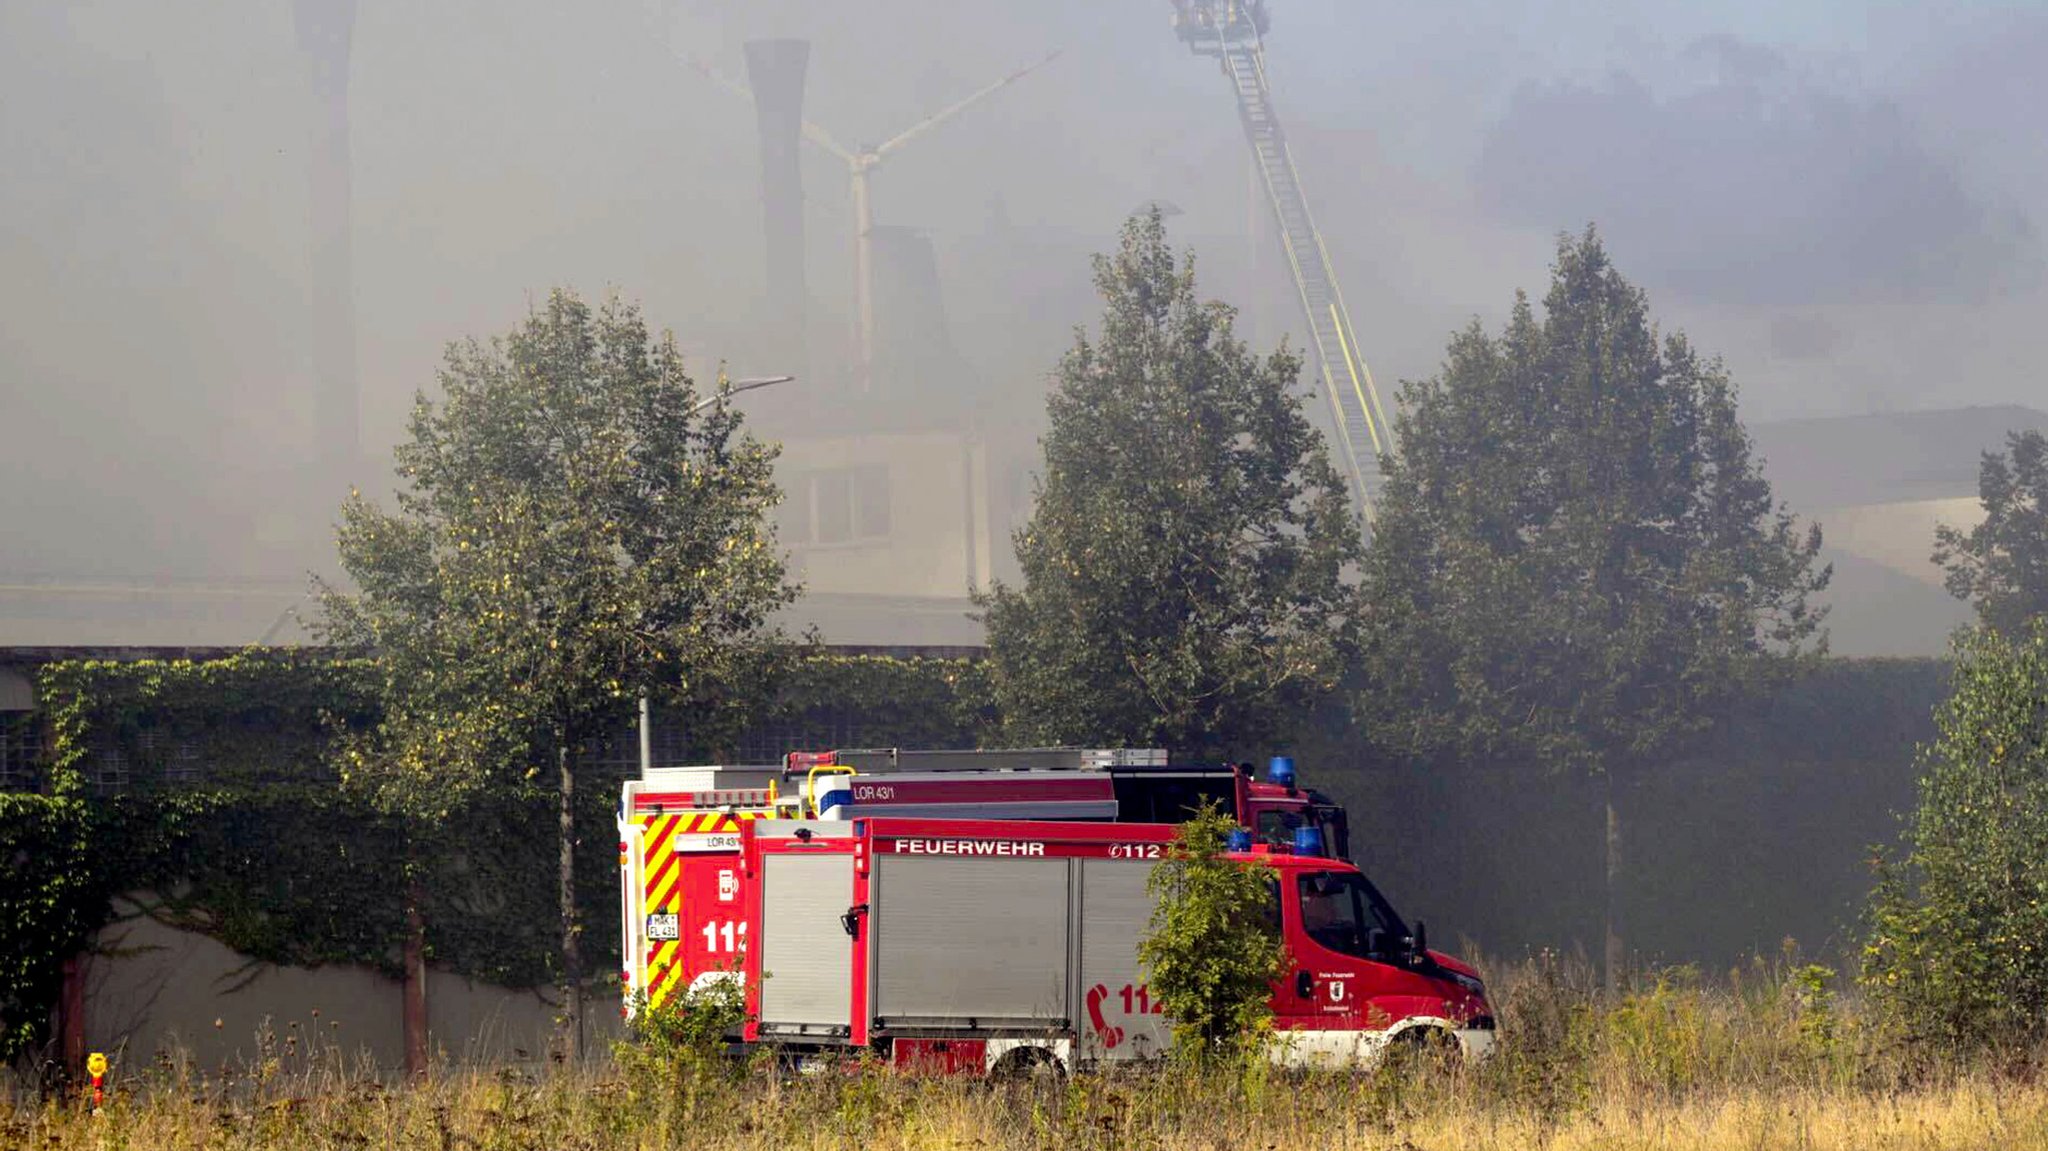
661 964
658 870
655 831
661 871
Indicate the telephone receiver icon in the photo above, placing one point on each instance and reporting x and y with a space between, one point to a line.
1111 1035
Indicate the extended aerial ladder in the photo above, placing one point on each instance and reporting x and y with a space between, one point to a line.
1231 31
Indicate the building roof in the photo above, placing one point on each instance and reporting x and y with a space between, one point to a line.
222 614
40 622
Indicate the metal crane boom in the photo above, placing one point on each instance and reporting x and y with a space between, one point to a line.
1230 31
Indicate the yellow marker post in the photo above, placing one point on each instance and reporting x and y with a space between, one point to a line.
96 1066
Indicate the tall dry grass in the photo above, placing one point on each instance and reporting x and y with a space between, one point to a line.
1765 1057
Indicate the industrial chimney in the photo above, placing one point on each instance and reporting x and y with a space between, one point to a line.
325 28
775 72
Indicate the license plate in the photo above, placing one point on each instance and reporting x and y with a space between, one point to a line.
663 927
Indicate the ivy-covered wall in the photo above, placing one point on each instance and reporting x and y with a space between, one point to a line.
207 786
49 903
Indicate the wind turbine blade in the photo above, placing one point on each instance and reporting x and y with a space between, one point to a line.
823 139
716 77
812 132
954 109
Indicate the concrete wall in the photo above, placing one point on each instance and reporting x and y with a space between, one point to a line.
154 988
938 540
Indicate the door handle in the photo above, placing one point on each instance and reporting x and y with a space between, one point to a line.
1304 985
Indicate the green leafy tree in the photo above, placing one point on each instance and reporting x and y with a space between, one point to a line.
1213 948
1576 562
2001 565
1958 944
1184 570
574 526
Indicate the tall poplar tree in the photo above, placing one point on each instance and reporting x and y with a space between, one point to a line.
1185 569
1576 561
574 525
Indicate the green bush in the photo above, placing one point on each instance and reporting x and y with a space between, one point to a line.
1213 948
674 1059
1957 954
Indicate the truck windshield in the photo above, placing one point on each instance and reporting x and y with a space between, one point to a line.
1341 910
1276 826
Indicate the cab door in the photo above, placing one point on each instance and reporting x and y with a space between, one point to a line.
1353 974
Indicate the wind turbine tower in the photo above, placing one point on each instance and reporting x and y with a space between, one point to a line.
325 28
860 163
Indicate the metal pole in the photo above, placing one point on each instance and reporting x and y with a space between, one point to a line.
646 738
863 277
730 388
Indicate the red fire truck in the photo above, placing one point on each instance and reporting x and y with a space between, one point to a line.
986 946
682 915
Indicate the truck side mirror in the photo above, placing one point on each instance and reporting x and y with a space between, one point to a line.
1420 942
1375 941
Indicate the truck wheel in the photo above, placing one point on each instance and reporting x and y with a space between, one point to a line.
1423 1052
1026 1065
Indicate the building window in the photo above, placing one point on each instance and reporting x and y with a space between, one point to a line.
109 771
168 758
870 492
18 751
835 506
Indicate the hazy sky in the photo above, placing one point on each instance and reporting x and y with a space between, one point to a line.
1845 200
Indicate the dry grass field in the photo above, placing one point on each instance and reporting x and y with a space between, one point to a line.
1762 1058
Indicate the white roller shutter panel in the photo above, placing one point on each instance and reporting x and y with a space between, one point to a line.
970 939
806 957
1116 910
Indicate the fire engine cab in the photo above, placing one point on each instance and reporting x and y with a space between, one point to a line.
985 946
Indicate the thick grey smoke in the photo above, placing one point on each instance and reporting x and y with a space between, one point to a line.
1843 203
1760 186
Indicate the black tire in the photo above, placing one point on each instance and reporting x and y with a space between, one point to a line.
1424 1052
1027 1065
